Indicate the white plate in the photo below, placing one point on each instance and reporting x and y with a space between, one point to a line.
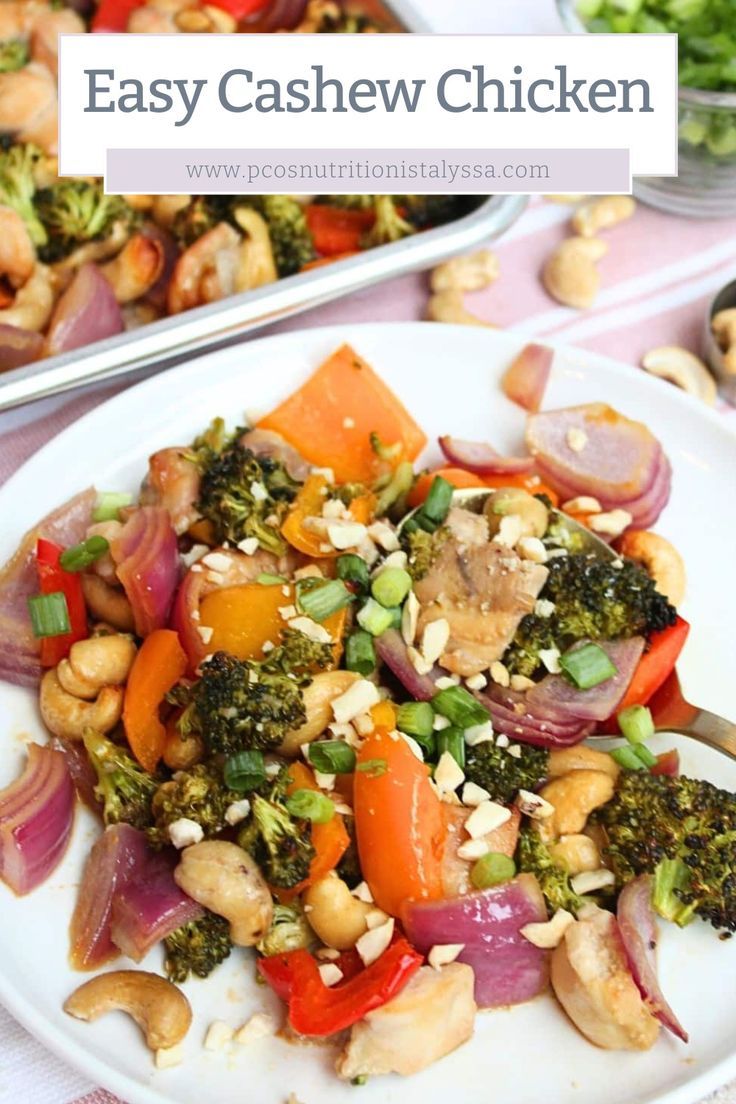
448 378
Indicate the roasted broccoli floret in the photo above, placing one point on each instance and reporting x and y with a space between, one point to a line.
533 857
201 214
14 54
125 789
239 704
289 931
18 187
503 775
74 212
390 225
291 240
422 549
683 832
197 794
196 948
594 600
242 495
279 844
423 211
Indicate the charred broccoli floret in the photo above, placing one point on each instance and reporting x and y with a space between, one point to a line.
423 211
201 214
390 225
422 549
533 857
243 495
14 54
279 844
594 600
291 240
197 948
683 832
18 187
289 931
197 794
240 704
125 789
74 212
503 775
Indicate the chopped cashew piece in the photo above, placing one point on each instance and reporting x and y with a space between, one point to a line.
473 849
434 639
184 832
409 618
374 942
485 818
442 954
160 1009
330 973
168 1057
612 523
473 794
683 368
258 1026
583 504
448 775
534 806
570 274
588 881
357 699
470 273
219 1034
547 936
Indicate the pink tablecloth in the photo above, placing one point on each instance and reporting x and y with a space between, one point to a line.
657 279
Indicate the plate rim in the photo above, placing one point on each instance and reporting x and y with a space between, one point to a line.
52 1035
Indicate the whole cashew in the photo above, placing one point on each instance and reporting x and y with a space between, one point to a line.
580 757
575 853
602 213
318 697
96 662
226 880
107 603
574 796
570 274
661 560
104 566
33 302
469 273
160 1009
723 325
683 368
167 207
181 753
256 265
338 918
448 306
68 716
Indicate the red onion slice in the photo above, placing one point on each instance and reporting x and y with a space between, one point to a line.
668 764
394 653
639 933
556 697
86 312
479 457
525 380
508 968
36 817
146 555
150 906
18 347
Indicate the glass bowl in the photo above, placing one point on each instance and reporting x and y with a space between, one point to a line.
705 186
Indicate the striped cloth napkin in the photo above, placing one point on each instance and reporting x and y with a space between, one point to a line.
657 280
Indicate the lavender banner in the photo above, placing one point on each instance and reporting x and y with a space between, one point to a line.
421 171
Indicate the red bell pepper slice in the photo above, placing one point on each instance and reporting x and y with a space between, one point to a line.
240 9
112 16
668 764
315 1009
656 664
52 578
336 231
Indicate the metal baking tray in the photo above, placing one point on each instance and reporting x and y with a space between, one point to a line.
170 340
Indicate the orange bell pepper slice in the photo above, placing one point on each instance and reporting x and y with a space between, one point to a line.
160 663
460 478
331 417
308 504
398 820
330 840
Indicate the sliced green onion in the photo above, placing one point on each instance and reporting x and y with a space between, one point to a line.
391 586
375 618
49 614
437 503
492 869
415 718
428 744
452 740
324 599
360 655
311 805
587 666
636 724
374 768
646 757
353 569
267 579
460 707
384 451
245 771
332 757
396 490
626 757
84 554
109 504
395 612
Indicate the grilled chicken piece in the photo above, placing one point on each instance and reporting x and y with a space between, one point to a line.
483 590
432 1016
173 482
592 981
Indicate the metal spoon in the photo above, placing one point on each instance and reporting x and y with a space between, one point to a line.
670 711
